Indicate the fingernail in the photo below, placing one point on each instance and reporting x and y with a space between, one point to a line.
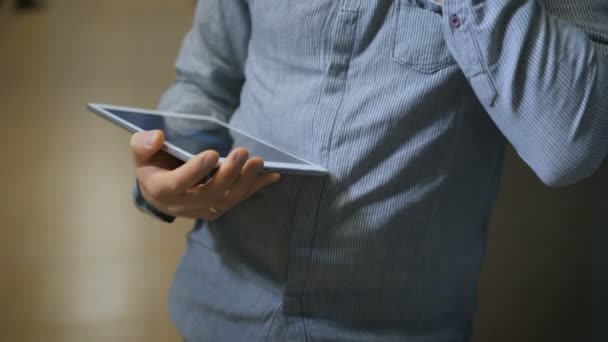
239 158
205 160
149 140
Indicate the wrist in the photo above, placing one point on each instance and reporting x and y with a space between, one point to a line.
143 205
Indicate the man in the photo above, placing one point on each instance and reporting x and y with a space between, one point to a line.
409 104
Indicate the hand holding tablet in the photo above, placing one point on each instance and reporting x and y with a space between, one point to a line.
177 190
198 167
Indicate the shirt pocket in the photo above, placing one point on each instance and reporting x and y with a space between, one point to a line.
418 38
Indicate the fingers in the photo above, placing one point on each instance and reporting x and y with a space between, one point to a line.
189 174
228 173
263 181
178 191
170 188
250 181
144 145
237 194
241 187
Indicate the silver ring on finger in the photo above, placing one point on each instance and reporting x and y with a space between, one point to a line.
215 210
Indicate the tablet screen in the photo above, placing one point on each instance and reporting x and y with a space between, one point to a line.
206 135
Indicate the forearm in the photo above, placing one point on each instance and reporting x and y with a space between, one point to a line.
541 80
591 16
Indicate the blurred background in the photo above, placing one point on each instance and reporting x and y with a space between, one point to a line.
79 263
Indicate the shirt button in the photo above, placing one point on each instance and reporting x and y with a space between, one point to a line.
455 21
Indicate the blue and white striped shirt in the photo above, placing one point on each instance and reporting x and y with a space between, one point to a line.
409 105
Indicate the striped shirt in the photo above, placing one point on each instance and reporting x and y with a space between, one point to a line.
409 105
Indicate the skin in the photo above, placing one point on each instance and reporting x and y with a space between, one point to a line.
175 188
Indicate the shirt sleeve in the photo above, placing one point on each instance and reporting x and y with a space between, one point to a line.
591 16
210 64
542 80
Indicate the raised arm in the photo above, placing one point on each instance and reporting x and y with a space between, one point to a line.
542 80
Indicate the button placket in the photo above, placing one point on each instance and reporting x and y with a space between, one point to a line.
464 46
303 232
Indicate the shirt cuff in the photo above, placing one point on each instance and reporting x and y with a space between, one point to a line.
141 203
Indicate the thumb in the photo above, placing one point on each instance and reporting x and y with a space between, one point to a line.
144 145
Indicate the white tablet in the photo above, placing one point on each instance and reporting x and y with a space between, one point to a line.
186 135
